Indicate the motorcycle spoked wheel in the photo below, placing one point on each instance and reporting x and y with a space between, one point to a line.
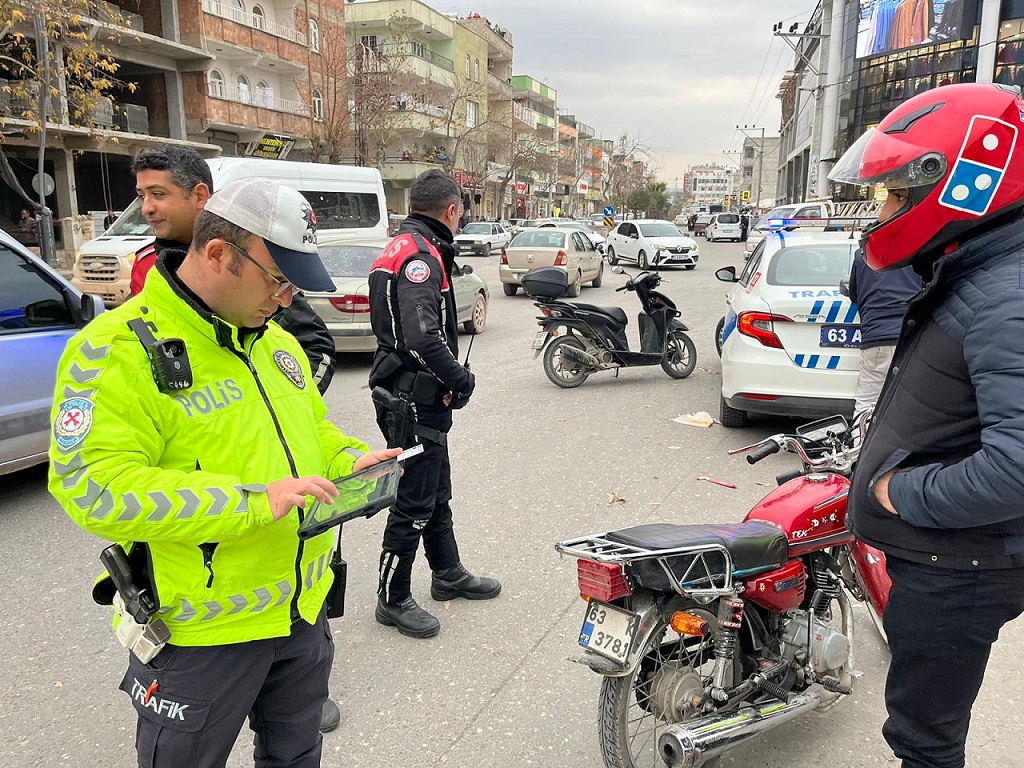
634 710
560 371
680 355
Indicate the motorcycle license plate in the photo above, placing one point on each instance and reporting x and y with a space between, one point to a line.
538 340
608 630
840 336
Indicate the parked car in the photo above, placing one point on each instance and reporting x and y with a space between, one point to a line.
724 226
482 237
700 226
651 243
347 311
792 214
39 312
582 226
790 342
552 247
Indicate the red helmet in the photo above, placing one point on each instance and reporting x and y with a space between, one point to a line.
959 153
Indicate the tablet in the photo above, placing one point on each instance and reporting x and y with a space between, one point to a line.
362 494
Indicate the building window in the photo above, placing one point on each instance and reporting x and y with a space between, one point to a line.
242 83
238 11
318 104
259 18
370 41
264 94
467 67
472 113
216 83
314 36
476 70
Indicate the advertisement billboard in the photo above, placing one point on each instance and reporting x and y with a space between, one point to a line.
886 26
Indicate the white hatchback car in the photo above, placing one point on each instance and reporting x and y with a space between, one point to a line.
790 341
724 226
651 243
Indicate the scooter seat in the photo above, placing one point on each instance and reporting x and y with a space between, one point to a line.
618 314
752 545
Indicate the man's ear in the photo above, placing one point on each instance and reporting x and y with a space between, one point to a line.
202 194
218 254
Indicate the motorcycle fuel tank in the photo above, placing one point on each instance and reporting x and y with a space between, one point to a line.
810 509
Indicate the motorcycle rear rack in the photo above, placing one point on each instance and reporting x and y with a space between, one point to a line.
706 570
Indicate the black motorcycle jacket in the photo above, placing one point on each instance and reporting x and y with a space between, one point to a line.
412 307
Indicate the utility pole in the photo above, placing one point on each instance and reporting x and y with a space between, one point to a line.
760 163
47 247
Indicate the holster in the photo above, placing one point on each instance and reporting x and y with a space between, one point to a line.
336 594
400 420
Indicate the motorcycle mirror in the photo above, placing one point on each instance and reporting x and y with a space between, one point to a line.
618 270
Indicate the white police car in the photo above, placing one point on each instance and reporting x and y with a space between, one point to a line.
790 341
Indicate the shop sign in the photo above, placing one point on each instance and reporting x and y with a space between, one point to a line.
270 147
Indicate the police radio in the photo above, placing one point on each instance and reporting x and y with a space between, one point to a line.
168 359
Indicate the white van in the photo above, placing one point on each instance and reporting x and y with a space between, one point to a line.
348 201
724 226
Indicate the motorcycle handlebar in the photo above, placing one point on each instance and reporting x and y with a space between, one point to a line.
763 451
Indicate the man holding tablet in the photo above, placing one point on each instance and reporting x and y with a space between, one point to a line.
189 430
418 381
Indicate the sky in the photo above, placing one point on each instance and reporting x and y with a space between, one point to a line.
680 74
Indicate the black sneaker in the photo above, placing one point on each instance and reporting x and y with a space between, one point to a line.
411 620
330 716
458 582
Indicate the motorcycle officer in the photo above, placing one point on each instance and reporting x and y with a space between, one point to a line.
418 382
938 485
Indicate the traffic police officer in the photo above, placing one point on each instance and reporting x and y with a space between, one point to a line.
197 469
416 368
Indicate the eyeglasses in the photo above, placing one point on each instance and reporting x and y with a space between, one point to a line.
283 286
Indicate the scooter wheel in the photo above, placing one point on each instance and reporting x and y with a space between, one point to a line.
680 355
564 373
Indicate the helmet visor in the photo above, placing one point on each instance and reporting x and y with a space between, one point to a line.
885 160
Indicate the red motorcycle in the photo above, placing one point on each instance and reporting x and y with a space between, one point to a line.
709 635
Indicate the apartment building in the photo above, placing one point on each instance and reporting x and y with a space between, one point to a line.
222 76
535 122
710 184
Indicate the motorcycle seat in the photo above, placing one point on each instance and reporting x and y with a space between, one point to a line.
618 314
751 545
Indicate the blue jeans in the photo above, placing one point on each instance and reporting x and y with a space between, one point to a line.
941 625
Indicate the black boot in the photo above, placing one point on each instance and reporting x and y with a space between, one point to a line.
330 716
458 582
407 615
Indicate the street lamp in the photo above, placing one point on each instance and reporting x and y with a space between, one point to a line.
760 164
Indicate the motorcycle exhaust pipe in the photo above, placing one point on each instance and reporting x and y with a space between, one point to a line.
693 744
581 357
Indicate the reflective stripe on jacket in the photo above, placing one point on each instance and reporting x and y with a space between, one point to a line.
186 472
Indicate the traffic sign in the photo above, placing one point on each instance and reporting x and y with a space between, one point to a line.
745 195
609 211
609 222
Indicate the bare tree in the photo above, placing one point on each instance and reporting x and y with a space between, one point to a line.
523 156
626 170
330 131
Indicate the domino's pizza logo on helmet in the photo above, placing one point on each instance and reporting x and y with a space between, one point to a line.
981 165
417 271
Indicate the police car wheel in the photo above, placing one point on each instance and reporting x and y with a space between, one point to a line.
731 417
719 333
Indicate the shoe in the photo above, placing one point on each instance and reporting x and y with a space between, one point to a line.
458 582
411 620
330 716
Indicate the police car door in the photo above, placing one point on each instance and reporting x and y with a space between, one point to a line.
801 283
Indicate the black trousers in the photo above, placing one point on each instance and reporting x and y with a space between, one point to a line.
941 625
422 511
193 701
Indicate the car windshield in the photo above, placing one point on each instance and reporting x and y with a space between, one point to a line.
824 264
476 229
728 218
348 260
539 239
131 222
703 219
659 229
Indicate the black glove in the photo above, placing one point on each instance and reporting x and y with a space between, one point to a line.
460 399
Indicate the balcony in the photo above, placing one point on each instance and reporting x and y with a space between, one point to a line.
418 51
225 10
525 116
258 97
497 86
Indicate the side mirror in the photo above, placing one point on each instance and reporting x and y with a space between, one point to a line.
727 275
844 287
90 307
466 270
618 270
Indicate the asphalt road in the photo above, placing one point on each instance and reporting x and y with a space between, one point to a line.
533 464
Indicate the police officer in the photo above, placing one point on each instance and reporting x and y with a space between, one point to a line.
412 310
198 476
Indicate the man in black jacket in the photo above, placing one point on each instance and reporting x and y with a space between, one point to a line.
938 485
882 299
413 314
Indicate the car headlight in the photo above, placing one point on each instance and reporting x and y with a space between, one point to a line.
661 247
